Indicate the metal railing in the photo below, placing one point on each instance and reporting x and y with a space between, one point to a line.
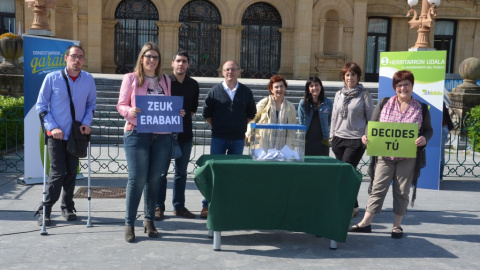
11 139
107 155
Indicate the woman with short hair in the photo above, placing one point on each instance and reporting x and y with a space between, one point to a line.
352 109
275 109
401 108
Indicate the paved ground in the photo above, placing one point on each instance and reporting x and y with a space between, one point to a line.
441 232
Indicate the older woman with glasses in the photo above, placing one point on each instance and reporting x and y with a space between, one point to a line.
401 108
148 154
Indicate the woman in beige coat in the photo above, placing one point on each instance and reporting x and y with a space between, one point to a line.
275 109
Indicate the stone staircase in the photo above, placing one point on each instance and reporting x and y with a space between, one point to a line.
107 126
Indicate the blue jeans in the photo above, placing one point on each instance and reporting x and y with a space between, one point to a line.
221 147
179 182
230 147
147 155
445 133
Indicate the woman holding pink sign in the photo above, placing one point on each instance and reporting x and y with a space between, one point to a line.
401 108
148 154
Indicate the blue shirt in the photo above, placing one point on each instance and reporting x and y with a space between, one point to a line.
53 99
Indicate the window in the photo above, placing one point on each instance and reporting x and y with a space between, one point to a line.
136 26
200 36
7 16
377 41
444 40
261 40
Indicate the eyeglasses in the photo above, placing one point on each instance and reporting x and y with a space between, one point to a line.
230 69
151 57
398 86
79 57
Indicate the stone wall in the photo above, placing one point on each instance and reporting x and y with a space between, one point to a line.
11 85
318 37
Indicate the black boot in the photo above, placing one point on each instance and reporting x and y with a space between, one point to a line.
149 227
130 234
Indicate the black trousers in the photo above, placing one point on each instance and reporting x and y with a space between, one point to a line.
62 175
348 150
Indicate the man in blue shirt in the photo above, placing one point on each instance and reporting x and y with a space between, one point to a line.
53 105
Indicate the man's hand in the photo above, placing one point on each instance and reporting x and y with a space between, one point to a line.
57 133
182 113
85 130
209 121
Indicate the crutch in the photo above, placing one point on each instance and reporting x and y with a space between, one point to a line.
45 138
89 221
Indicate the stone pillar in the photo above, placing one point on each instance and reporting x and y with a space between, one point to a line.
108 51
321 36
230 46
95 36
466 95
359 33
303 45
341 33
83 37
75 22
168 43
286 57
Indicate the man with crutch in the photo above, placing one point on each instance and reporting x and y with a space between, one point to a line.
53 106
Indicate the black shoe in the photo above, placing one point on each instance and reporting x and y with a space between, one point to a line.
130 234
69 215
397 232
356 228
47 220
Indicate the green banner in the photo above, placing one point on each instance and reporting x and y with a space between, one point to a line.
392 139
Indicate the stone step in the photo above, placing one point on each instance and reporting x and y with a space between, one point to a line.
107 126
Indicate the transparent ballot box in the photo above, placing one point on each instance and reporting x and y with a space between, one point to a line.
277 142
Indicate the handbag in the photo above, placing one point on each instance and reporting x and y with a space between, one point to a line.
77 143
175 152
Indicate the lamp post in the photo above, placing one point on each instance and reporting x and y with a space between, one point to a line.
423 22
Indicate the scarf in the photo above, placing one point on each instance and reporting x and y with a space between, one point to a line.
277 138
349 94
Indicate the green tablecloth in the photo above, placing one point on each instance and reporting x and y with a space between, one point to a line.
316 196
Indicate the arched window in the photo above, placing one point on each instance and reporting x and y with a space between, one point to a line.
377 41
444 40
331 38
200 36
136 26
261 40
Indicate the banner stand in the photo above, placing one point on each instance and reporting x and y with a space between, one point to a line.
428 68
41 55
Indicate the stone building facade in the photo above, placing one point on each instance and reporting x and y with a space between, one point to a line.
294 38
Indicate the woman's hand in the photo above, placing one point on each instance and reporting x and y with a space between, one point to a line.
364 139
134 111
182 112
420 141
